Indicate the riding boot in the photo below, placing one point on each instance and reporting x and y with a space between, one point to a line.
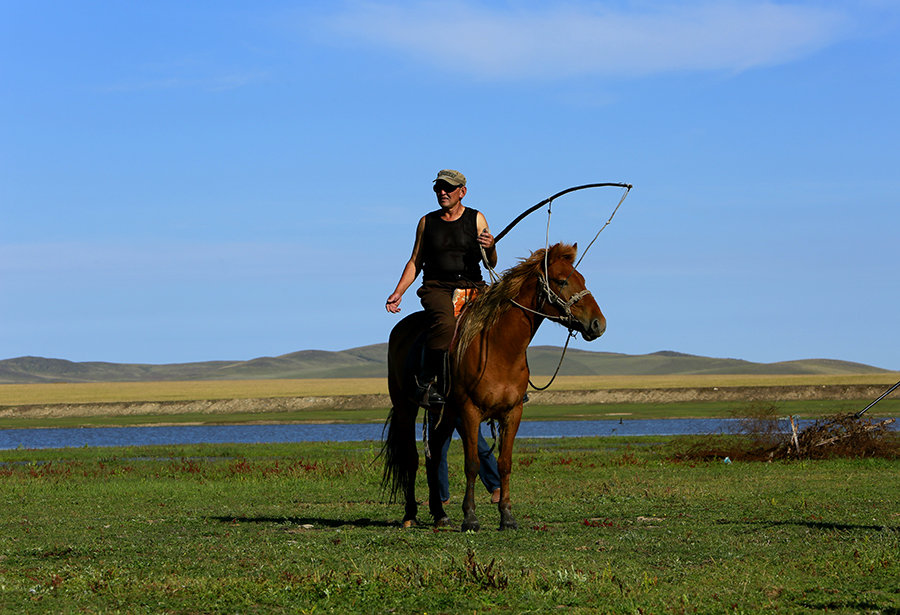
430 390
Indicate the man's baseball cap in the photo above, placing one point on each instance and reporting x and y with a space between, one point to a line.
454 178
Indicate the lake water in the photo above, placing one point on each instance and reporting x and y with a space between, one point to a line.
211 434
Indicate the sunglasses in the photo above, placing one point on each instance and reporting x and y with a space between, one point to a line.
438 188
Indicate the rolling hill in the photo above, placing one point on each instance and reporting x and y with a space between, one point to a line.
370 362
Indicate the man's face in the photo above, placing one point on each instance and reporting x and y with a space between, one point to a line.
448 196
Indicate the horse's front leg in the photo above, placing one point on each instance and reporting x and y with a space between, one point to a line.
508 431
470 426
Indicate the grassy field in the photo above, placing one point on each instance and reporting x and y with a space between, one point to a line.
607 525
75 393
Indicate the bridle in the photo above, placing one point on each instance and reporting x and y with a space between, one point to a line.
564 306
566 318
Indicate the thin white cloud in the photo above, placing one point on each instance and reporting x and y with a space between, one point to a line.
213 83
68 259
189 72
588 38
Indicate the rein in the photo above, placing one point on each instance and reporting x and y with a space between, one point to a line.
558 365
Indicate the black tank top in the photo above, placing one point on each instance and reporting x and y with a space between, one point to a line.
450 250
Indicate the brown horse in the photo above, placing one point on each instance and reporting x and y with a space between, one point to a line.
489 375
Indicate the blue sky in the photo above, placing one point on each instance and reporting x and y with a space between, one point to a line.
187 181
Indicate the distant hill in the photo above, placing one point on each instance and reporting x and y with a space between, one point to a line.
370 362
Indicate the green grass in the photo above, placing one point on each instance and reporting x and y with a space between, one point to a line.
606 525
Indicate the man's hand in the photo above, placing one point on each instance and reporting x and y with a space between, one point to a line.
486 239
392 304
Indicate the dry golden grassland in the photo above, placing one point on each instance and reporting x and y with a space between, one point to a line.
110 392
581 383
107 392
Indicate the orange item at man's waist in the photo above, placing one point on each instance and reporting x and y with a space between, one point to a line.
461 296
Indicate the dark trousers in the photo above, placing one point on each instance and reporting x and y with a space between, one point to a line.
437 299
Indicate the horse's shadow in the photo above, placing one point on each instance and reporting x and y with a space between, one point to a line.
316 522
813 525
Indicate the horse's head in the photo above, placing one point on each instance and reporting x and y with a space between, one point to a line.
565 296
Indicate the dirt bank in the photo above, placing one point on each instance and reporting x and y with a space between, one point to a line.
545 398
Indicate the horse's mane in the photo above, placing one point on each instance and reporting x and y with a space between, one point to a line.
484 311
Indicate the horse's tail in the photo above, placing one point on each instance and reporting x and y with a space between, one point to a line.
398 448
401 457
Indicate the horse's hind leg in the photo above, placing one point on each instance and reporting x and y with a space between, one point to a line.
402 459
437 437
411 463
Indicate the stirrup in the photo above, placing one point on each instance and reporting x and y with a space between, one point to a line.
428 396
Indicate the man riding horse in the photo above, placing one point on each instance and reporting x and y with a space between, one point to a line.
489 350
448 252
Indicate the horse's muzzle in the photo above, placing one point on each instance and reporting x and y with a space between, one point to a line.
595 329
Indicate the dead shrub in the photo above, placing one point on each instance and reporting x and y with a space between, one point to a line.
760 435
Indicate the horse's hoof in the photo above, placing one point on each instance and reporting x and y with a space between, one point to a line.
408 523
507 521
443 522
470 526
